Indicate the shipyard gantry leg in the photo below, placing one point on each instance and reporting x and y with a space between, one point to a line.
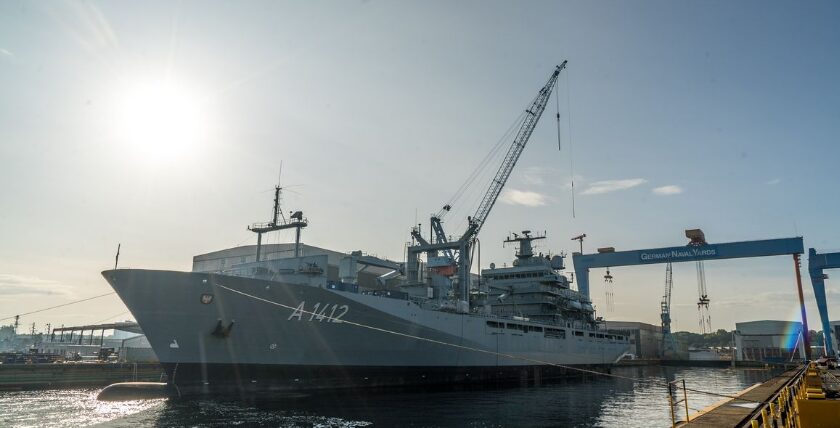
816 264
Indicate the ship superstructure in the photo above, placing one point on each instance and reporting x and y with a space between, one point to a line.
535 288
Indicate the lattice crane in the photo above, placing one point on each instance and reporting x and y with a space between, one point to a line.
534 112
463 244
668 345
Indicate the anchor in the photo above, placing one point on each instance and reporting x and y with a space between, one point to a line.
221 331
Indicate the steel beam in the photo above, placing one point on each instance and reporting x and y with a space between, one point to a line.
730 250
816 264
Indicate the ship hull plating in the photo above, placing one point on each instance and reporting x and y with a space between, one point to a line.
193 378
216 332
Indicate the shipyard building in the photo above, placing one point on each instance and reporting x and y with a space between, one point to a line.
769 341
353 268
835 334
646 339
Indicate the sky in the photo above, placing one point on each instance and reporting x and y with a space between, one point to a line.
162 126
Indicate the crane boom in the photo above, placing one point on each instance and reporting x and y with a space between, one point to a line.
533 114
457 252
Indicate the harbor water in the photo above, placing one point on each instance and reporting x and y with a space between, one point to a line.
593 401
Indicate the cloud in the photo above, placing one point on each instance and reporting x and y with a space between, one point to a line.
533 175
774 181
536 175
668 190
7 55
522 197
19 285
608 186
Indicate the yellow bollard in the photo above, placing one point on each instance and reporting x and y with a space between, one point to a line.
772 410
764 418
754 423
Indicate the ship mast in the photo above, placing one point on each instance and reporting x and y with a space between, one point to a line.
525 250
279 222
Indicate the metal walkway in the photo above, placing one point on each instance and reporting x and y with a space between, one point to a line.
738 412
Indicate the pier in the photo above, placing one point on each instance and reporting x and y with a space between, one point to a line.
796 398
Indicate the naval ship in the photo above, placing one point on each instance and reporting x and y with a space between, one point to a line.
305 320
298 323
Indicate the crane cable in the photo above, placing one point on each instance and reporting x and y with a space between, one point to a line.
484 162
322 317
557 105
58 306
491 158
571 152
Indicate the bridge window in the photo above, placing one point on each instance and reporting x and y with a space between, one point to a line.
555 333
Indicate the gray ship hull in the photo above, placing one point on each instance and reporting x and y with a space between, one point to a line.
215 333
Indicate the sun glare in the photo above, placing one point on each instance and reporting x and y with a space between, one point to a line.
159 121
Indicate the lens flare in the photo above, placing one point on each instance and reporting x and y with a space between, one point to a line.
159 121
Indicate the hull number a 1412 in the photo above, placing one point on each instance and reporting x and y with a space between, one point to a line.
319 312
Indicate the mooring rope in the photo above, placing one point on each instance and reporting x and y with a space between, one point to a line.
58 306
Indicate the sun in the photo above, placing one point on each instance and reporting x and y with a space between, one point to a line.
159 121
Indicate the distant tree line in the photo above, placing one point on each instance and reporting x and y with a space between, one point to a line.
687 339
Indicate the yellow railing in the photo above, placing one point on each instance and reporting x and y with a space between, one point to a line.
781 410
800 403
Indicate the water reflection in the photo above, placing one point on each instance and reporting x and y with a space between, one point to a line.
594 401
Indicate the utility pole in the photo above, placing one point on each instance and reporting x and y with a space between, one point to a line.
579 238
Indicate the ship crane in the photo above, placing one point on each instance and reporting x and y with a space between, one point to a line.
457 252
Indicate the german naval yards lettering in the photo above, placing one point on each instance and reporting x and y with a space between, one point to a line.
683 253
314 315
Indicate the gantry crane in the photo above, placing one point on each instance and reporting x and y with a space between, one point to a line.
668 345
692 253
457 252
